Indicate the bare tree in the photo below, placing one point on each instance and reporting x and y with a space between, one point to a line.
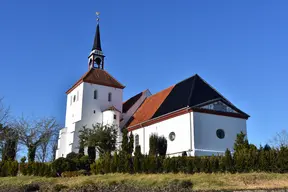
4 113
280 139
34 133
47 149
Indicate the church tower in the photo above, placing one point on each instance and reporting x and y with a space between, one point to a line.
96 98
96 57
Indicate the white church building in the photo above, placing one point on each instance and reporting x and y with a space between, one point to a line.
192 115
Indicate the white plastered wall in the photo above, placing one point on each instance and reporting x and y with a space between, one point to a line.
206 140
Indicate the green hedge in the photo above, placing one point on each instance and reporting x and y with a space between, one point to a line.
37 169
8 168
248 160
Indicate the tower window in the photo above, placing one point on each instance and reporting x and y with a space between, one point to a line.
95 94
115 116
77 95
136 140
74 98
109 97
94 111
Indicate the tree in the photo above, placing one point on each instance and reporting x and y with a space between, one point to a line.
10 142
162 146
125 141
4 115
131 143
103 137
280 140
91 153
241 142
33 133
47 148
153 144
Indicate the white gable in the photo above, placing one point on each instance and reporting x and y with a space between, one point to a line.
219 106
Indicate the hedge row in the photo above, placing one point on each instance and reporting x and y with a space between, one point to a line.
243 161
37 169
8 168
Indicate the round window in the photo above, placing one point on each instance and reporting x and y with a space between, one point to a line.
172 136
220 133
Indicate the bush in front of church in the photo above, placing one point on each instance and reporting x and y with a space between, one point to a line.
62 164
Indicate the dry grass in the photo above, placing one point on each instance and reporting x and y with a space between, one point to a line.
200 181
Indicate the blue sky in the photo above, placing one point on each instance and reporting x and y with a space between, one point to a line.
239 47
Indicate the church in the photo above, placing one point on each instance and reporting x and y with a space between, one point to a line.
192 115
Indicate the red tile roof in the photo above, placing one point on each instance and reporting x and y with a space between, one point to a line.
97 76
149 107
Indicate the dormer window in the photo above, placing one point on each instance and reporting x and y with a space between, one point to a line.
109 97
95 94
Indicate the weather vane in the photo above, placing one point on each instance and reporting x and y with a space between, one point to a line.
98 13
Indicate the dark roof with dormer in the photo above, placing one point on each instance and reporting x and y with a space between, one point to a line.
190 93
99 77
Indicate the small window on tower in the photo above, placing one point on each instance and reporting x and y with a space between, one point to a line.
74 98
95 94
109 97
77 95
115 116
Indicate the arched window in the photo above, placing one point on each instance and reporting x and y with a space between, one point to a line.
74 98
95 94
109 97
136 140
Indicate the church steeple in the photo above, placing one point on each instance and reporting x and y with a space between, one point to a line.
97 40
96 57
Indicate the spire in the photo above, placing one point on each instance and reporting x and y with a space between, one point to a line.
97 41
96 57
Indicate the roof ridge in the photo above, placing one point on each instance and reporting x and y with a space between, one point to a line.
113 78
192 89
161 90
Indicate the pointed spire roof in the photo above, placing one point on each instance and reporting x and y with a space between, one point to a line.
97 41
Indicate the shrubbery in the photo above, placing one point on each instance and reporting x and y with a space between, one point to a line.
259 160
246 158
8 168
37 169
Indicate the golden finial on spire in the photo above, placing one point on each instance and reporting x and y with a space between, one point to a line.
98 13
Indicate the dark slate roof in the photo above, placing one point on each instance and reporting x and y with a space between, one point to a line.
192 92
98 76
130 102
97 41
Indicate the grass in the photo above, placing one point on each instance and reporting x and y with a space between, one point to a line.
200 181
